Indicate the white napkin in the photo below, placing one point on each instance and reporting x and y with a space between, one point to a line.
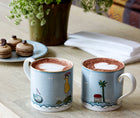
106 46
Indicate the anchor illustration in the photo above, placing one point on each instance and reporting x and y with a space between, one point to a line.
37 97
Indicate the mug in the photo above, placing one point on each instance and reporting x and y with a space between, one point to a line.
102 90
50 91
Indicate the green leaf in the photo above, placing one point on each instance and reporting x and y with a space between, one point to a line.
26 8
33 22
11 17
48 11
40 8
40 15
43 22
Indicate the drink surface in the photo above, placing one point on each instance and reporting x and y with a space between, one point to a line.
103 64
52 65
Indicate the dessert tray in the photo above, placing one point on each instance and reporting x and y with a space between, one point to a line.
39 51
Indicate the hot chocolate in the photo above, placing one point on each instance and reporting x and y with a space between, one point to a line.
103 64
52 65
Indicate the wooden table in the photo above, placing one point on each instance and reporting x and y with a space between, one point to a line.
15 87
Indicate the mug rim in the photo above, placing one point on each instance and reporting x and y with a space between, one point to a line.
110 71
52 58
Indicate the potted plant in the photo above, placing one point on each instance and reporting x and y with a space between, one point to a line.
48 19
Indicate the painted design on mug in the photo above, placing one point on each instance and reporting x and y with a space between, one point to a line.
102 84
68 97
60 102
37 97
67 86
98 98
99 102
65 101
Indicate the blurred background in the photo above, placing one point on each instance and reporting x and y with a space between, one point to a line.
126 11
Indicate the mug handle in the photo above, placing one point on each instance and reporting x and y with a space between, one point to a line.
133 80
26 66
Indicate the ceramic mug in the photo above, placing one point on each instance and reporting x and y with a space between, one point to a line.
102 89
50 91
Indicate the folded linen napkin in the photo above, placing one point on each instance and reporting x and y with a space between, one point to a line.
106 46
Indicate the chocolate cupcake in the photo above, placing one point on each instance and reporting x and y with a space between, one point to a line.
5 50
13 42
24 49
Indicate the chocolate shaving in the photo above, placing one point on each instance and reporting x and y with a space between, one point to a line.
24 41
14 36
3 42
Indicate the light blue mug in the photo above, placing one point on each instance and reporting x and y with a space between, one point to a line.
50 91
102 91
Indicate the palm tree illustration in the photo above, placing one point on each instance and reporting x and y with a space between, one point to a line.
102 84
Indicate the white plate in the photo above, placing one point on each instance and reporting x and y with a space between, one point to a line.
39 51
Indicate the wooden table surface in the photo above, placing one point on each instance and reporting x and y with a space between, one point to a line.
15 87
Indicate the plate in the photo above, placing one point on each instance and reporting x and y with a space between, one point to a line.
39 51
